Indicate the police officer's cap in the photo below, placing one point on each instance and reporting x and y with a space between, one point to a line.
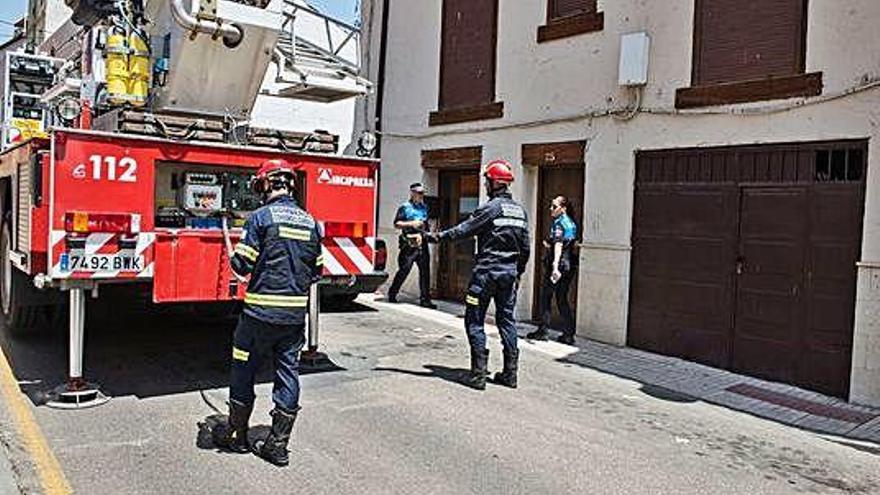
417 187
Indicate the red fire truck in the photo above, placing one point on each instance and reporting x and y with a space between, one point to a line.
125 194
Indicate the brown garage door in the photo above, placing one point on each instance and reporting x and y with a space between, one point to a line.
744 258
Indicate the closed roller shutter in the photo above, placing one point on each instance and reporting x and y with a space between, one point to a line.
25 181
468 54
565 8
738 40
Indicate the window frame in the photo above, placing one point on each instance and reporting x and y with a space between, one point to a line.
559 27
491 109
551 4
797 84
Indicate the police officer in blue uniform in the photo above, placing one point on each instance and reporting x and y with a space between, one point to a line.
559 270
281 251
502 232
412 219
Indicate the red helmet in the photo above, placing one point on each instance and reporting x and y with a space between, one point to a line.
271 170
499 171
274 166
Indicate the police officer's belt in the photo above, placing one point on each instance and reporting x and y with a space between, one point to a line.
413 240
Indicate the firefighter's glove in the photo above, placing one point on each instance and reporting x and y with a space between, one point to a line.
432 237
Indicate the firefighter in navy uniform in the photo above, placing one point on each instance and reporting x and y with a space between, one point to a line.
281 250
502 232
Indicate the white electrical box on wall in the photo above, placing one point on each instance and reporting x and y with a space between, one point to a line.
634 53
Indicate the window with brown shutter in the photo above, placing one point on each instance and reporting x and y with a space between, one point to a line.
569 18
557 9
467 62
749 50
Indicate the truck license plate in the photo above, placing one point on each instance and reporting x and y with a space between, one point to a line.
101 262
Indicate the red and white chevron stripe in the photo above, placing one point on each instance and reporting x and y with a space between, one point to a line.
349 256
102 243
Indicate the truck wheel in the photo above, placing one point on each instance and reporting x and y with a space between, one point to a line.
14 287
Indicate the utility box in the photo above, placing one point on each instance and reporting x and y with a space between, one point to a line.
634 53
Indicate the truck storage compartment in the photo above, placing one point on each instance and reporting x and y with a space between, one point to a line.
193 266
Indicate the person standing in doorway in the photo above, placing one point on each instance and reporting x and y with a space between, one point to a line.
502 231
558 272
412 220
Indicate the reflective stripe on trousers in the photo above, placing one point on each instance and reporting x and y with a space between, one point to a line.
276 300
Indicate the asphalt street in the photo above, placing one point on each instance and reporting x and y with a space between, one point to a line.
392 417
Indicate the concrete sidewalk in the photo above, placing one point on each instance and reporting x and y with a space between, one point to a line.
684 381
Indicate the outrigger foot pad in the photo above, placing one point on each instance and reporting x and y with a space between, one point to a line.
77 394
312 360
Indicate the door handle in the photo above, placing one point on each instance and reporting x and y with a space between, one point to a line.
740 265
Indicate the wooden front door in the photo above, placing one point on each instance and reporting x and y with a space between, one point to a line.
554 181
459 197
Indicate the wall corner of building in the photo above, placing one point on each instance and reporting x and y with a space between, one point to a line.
865 374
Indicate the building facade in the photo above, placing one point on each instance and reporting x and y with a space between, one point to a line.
728 206
44 18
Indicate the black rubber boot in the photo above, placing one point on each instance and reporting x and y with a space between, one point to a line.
479 365
508 376
274 447
233 435
539 334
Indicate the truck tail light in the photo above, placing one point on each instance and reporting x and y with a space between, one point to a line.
345 229
381 255
82 222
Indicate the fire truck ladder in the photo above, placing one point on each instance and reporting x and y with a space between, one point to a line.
317 57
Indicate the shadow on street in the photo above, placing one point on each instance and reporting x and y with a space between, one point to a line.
136 348
584 360
453 375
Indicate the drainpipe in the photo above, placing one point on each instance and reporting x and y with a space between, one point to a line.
230 33
380 98
380 94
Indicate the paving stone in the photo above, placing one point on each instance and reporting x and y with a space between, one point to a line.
826 425
867 431
784 415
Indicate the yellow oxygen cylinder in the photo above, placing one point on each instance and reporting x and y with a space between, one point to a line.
138 70
116 55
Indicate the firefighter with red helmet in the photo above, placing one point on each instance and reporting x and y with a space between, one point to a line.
502 232
281 251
